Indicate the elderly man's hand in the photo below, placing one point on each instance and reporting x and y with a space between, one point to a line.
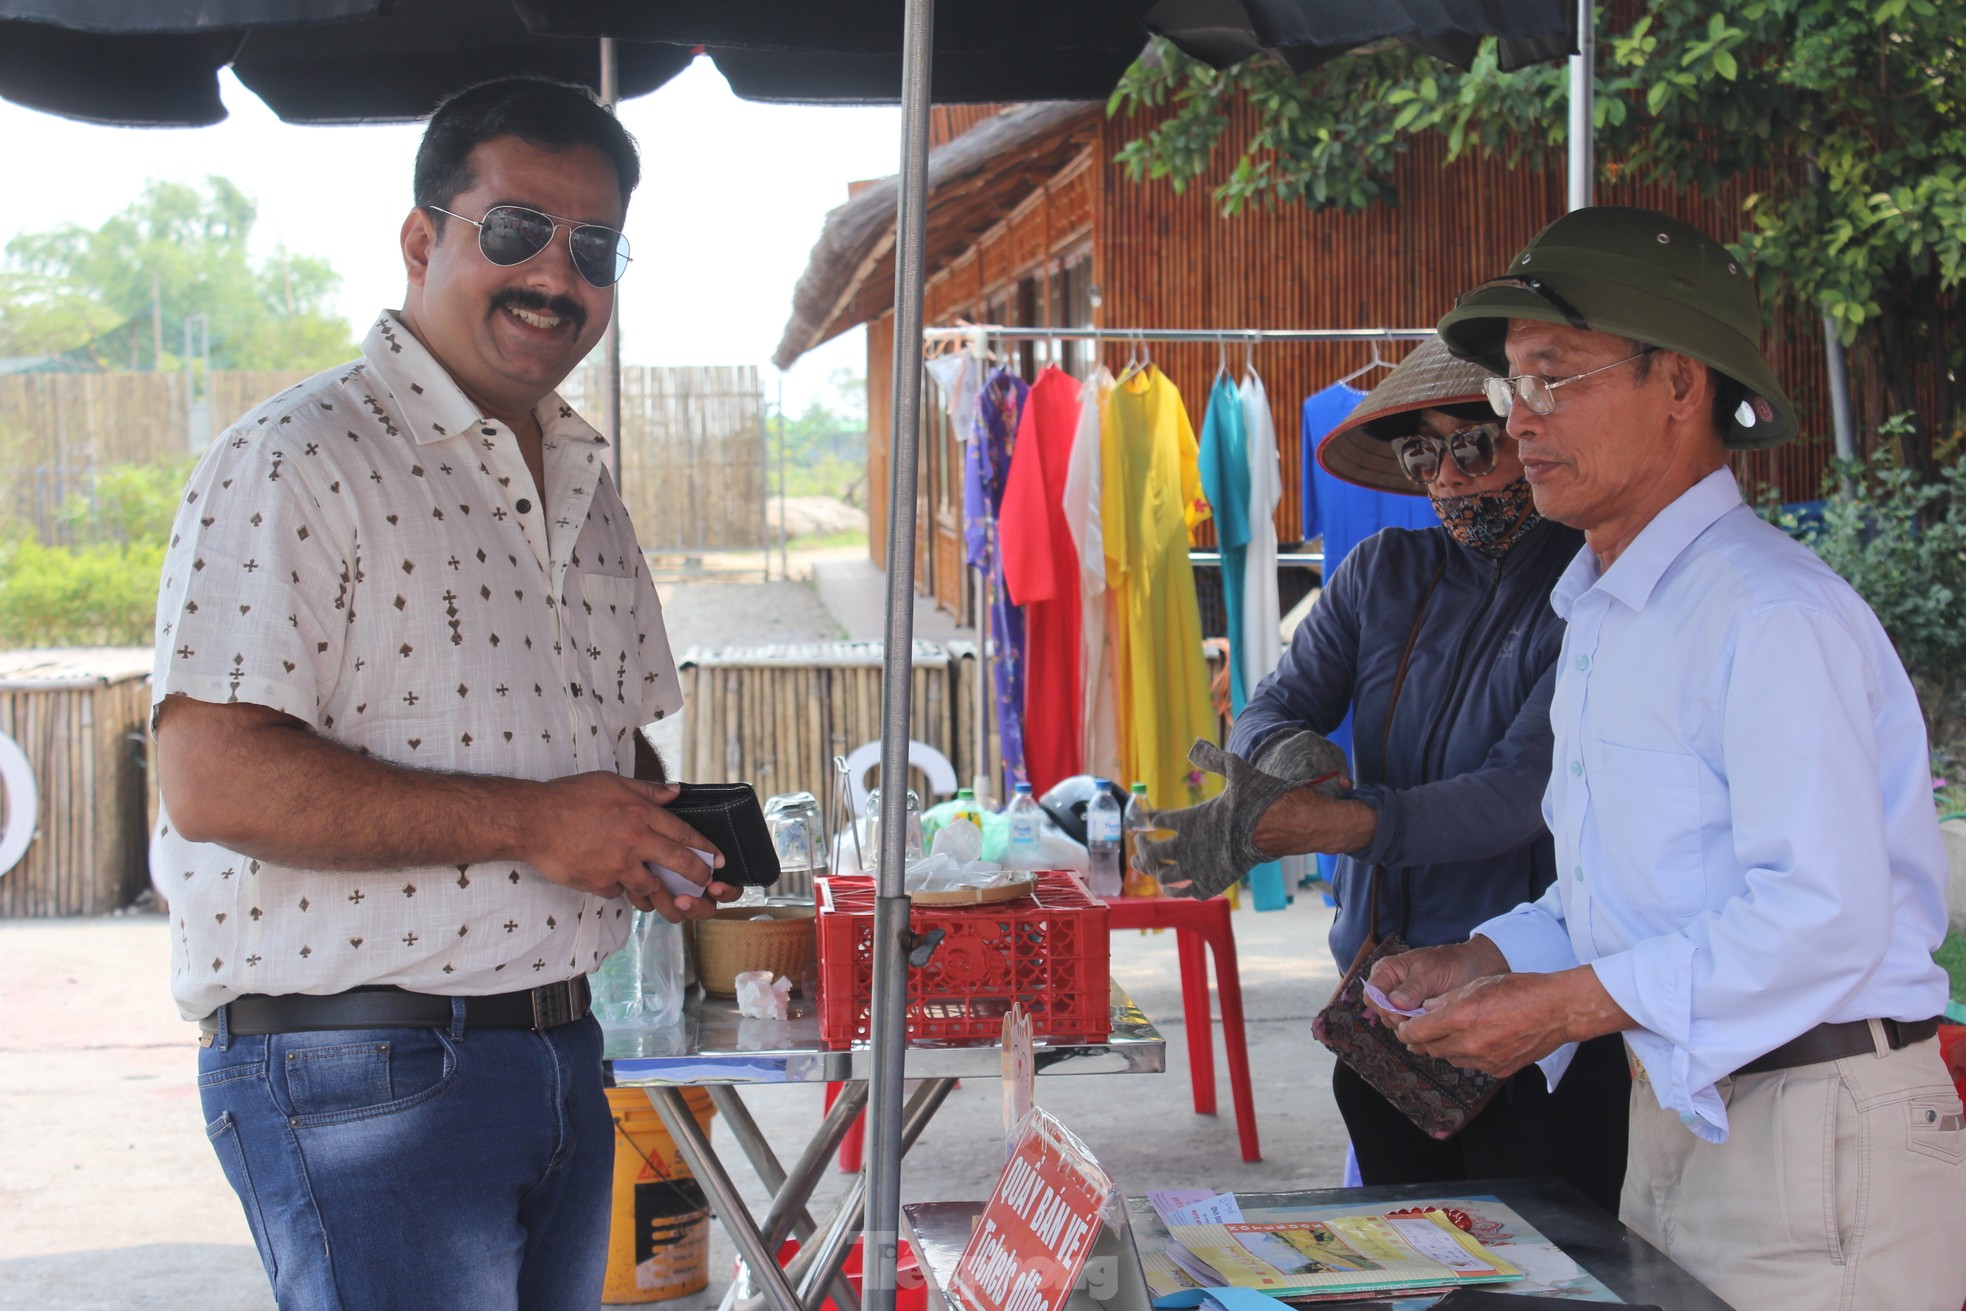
1502 1022
1413 978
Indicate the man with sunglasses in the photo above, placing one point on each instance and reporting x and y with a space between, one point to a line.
406 647
1441 644
1750 878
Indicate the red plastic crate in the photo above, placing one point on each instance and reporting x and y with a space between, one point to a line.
1050 951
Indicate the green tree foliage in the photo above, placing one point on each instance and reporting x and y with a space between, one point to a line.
1854 107
101 591
1900 541
62 290
826 446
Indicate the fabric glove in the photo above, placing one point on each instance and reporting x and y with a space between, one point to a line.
1214 843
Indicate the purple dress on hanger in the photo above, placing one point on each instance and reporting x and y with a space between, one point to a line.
986 469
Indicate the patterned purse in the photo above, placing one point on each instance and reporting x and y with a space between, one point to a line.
1438 1097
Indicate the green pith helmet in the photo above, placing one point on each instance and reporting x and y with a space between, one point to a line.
1641 274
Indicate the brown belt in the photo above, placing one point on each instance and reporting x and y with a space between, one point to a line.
1832 1042
382 1007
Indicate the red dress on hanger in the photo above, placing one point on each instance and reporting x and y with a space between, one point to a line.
1041 570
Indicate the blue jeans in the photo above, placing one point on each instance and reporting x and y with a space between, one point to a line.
418 1168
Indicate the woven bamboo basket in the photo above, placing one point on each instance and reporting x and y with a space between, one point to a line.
735 940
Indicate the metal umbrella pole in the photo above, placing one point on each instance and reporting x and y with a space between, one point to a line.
1583 112
891 934
611 339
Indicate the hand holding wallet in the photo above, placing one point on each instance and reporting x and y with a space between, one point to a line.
728 814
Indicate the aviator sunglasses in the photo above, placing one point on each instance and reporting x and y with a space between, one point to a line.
513 234
1472 449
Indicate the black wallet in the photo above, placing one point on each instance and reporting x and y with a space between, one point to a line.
729 815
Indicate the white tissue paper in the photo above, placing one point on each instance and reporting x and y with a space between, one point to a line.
760 997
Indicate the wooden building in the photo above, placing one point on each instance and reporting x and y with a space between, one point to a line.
1032 224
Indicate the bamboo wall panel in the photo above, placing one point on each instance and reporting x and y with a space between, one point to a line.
693 453
236 394
1168 260
880 390
947 122
79 718
775 716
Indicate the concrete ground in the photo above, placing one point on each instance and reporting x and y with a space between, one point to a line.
111 1199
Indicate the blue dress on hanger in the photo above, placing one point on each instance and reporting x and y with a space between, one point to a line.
986 471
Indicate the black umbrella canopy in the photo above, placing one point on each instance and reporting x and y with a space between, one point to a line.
155 62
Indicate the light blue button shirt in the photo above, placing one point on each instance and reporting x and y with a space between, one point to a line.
1753 808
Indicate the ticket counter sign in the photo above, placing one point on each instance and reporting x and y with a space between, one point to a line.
1038 1227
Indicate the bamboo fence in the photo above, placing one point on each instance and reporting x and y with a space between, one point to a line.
79 717
693 454
775 716
60 431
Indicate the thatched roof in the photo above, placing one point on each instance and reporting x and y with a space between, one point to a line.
973 182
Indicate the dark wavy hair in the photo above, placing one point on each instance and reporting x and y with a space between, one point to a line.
540 112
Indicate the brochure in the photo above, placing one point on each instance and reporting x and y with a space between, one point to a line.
1339 1254
1504 1236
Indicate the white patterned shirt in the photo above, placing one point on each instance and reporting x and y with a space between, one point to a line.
367 553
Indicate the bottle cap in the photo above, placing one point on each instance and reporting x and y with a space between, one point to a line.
1139 789
1022 789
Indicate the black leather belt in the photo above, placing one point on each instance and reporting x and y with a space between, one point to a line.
538 1009
1832 1042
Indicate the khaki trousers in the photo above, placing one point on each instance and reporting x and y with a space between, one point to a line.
1841 1186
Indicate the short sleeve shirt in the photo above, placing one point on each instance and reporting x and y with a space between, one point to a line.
367 553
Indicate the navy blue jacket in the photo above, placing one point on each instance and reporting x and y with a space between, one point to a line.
1459 783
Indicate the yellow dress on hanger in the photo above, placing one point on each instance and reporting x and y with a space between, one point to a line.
1150 496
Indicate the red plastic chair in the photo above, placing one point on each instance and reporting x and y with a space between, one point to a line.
1198 926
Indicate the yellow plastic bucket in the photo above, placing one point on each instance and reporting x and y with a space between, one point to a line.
659 1234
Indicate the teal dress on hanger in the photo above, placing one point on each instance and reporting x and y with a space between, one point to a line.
1225 481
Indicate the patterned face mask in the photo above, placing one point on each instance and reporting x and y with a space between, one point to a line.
1489 522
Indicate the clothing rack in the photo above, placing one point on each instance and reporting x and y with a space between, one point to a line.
1179 334
1223 336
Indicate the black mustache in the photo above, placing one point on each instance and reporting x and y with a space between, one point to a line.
538 302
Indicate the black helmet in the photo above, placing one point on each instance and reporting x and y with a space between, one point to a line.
1066 803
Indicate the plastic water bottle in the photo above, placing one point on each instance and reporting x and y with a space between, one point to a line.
1023 814
1138 826
1102 840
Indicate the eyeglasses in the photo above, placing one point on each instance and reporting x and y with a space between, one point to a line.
1472 449
512 234
1538 392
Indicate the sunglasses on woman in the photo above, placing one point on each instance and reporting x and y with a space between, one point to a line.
512 234
1472 449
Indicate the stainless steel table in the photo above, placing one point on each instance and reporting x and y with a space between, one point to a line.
715 1048
1629 1266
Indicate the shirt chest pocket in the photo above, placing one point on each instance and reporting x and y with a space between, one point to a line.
613 642
1646 805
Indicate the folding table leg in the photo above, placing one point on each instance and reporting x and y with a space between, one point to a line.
787 1214
691 1141
819 1265
1195 1011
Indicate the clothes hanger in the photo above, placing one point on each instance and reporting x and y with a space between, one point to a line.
1221 356
1376 362
1248 355
1141 364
